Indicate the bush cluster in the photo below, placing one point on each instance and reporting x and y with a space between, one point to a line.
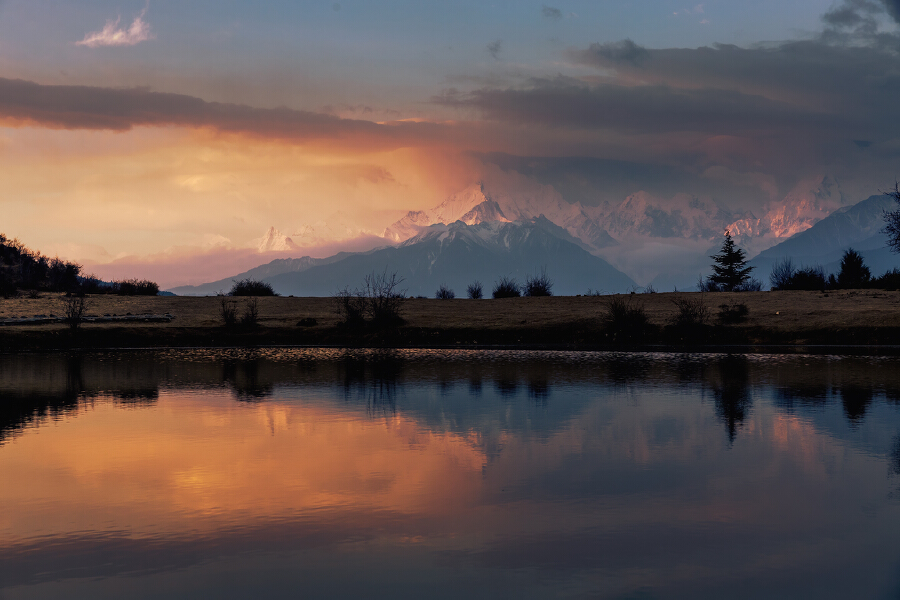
506 287
126 287
625 319
377 302
444 293
228 311
251 287
854 274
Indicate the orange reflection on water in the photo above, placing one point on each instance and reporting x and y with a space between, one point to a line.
198 462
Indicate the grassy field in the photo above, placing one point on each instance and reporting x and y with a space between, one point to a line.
858 317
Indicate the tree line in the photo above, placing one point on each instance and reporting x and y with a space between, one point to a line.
22 268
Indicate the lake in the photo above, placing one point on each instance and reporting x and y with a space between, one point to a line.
284 473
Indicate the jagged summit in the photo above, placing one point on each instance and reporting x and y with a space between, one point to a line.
483 201
275 241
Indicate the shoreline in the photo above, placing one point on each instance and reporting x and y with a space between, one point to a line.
845 322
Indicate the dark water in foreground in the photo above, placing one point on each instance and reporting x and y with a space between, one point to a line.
448 474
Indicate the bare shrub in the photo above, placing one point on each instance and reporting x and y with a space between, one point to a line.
732 313
506 287
444 293
351 307
475 291
649 289
378 301
250 318
782 274
707 285
227 310
889 281
751 284
74 308
785 277
625 319
538 284
384 297
691 312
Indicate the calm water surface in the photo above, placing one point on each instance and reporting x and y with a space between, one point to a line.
448 474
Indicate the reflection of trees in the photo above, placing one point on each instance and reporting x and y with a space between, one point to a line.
475 385
803 393
538 387
373 377
242 376
895 456
507 384
731 389
627 368
856 399
21 408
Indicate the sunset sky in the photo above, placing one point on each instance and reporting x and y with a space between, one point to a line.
134 128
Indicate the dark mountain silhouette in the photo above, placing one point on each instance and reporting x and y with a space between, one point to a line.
262 272
455 255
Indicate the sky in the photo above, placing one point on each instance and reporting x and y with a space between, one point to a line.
158 128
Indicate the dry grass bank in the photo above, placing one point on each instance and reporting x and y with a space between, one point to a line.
790 317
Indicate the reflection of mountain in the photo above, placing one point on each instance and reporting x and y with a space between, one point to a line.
458 254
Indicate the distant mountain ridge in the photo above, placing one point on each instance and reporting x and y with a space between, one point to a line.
858 226
638 216
458 254
260 273
454 255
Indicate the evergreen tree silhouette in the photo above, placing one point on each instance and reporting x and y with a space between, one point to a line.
730 269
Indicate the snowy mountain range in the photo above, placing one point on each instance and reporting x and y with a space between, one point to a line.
823 244
454 255
662 241
640 215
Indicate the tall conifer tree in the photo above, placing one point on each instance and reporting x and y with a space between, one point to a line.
730 269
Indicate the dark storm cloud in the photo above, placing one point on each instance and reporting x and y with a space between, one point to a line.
853 13
551 13
623 51
648 108
84 107
793 107
893 8
799 84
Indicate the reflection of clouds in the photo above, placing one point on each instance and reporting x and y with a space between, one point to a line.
176 469
611 486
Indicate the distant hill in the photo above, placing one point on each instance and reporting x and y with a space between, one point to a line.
458 254
262 272
824 243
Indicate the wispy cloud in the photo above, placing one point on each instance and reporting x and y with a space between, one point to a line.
549 12
113 35
494 48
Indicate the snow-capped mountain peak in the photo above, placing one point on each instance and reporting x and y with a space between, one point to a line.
521 201
275 241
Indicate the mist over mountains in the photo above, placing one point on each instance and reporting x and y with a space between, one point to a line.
514 225
454 255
